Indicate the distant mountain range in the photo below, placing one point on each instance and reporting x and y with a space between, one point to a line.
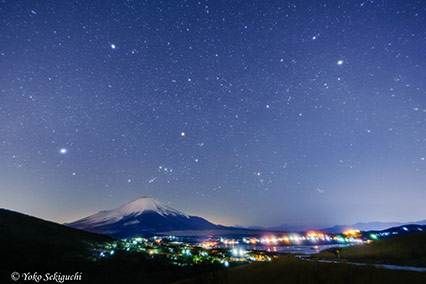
147 216
362 226
371 226
143 216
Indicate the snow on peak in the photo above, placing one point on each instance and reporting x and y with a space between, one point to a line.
143 204
131 209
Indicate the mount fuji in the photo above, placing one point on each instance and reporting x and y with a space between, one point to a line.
143 216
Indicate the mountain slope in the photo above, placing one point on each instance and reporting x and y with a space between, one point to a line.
408 249
31 244
16 226
143 216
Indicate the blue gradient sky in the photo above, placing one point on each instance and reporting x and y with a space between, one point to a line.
243 112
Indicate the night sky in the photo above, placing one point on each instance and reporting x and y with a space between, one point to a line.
242 112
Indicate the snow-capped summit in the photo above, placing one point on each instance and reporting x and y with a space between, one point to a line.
131 209
143 204
140 216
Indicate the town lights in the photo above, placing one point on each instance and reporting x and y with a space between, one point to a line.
238 252
352 233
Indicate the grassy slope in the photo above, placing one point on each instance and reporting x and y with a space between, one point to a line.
288 270
401 250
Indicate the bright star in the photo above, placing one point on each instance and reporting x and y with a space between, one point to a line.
340 62
182 134
63 151
113 46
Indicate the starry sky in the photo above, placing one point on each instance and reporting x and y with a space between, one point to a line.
242 112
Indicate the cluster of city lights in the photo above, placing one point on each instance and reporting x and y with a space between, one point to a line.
182 253
230 252
349 236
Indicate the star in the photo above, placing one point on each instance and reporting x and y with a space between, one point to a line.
113 46
63 150
340 62
182 134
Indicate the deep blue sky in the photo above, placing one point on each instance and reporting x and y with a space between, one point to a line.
243 112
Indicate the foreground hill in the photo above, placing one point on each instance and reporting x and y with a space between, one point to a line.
144 216
29 244
23 233
290 270
408 250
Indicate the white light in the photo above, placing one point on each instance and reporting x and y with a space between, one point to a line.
63 151
340 62
113 46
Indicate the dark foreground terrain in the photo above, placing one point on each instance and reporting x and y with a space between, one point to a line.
407 250
29 244
289 270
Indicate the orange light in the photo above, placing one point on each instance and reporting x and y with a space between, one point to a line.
351 232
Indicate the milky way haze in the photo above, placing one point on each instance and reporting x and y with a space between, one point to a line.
243 112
